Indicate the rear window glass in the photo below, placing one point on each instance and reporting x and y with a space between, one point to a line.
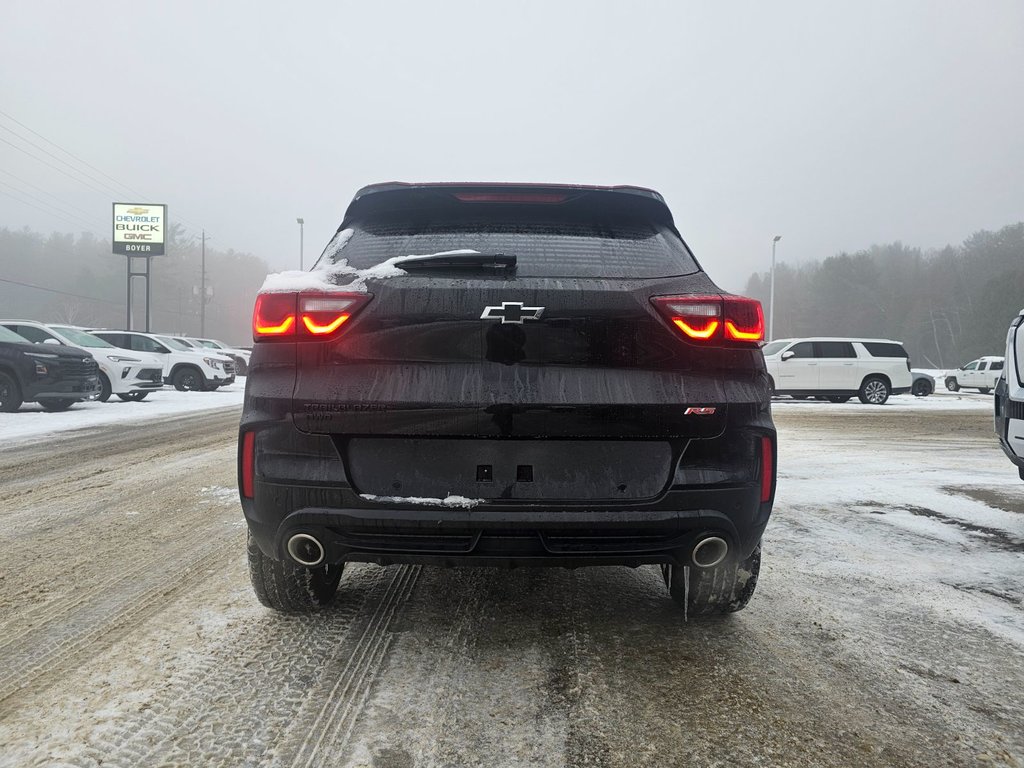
576 245
996 365
882 349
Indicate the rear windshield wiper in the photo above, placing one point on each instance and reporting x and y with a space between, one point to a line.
459 261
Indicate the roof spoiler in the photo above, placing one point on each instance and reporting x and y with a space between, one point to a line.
397 195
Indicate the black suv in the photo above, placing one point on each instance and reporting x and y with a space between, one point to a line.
56 377
506 375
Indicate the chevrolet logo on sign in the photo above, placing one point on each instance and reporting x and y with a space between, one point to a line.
138 211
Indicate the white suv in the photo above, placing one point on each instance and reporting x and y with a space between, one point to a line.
185 368
1009 405
981 374
127 374
836 369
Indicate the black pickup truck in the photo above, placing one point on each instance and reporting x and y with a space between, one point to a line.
55 377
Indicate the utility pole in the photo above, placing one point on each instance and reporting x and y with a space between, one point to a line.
202 291
301 223
771 295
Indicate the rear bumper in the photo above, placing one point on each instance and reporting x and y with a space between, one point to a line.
496 535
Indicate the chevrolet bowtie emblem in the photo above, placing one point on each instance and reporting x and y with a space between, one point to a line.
512 312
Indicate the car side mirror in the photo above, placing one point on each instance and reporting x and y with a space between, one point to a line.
52 340
787 355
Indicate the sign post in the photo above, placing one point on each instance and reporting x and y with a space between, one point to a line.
139 231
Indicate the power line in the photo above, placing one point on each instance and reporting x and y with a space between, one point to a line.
103 192
71 154
48 153
62 293
51 213
106 188
56 208
48 194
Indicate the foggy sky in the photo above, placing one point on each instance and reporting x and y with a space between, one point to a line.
836 125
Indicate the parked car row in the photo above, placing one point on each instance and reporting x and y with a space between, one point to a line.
57 365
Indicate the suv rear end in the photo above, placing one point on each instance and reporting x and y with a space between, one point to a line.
551 379
1009 398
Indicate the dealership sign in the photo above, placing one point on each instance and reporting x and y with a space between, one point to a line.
139 229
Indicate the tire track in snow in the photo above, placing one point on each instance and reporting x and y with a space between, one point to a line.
58 637
329 731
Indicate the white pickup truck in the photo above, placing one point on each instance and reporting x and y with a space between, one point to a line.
981 374
1009 400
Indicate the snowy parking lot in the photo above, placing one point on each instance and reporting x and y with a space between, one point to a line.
887 630
32 422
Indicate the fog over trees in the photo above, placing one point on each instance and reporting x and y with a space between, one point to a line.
948 306
76 279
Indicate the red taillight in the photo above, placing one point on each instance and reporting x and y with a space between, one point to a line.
511 197
273 315
302 317
744 319
248 459
714 318
767 469
322 315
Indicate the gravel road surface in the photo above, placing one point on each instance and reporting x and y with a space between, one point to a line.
888 627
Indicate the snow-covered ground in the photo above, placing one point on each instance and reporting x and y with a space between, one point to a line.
887 628
31 422
940 400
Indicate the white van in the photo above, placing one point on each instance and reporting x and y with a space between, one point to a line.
837 369
1009 416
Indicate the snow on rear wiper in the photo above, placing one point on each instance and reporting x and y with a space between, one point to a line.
458 260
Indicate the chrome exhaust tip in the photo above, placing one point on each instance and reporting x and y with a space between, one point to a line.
306 550
709 551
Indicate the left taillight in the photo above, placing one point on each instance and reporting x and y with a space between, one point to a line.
303 316
710 319
248 461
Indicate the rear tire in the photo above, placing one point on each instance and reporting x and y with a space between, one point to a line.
104 394
984 390
922 388
952 385
133 396
10 394
874 391
54 404
290 588
726 588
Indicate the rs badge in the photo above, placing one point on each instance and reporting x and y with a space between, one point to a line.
700 411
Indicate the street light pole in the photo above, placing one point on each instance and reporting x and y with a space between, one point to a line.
202 291
300 222
771 295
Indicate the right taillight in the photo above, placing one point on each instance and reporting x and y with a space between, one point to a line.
303 316
714 318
